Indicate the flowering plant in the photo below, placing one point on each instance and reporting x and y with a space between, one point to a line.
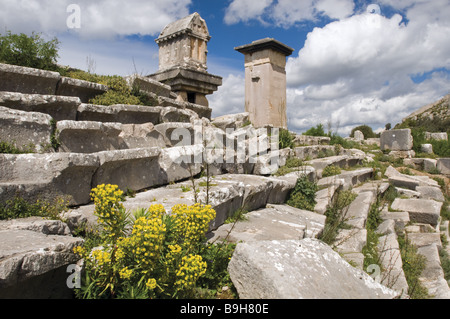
159 257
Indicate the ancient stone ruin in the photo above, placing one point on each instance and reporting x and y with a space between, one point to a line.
158 151
265 82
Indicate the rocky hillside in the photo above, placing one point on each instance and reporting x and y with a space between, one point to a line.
434 117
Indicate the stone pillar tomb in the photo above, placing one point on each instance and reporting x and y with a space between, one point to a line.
182 60
265 82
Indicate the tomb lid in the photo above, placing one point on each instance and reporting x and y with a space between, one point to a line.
192 24
267 43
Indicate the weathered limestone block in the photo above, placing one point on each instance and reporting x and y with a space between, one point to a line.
231 121
315 151
420 210
88 137
37 224
85 90
27 80
349 179
358 210
386 227
359 136
311 140
25 255
24 128
427 148
181 162
171 114
59 107
202 111
425 239
47 176
149 85
141 136
393 275
433 275
276 222
351 240
436 136
443 165
401 219
396 140
299 269
125 114
136 169
269 163
430 192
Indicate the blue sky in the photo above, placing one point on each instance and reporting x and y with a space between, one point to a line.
355 61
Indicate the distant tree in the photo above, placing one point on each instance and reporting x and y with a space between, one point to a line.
388 126
29 51
366 130
316 131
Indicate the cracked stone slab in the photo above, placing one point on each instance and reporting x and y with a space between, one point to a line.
299 269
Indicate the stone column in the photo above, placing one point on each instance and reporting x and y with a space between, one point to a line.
265 82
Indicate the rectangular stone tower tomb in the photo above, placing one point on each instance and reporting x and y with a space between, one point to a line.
265 82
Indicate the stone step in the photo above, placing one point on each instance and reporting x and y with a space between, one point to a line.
299 269
342 161
23 129
92 137
58 107
30 259
275 222
391 262
34 81
348 179
133 114
420 210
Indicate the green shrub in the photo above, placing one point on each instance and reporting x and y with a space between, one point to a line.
331 170
413 266
8 148
20 208
441 148
286 139
29 51
316 131
303 196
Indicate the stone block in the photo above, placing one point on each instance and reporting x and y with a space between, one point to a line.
37 224
425 239
427 148
311 140
148 85
202 111
401 219
141 136
299 269
231 121
28 255
420 210
88 137
351 240
58 107
136 169
392 264
359 136
429 164
315 151
430 192
47 176
443 165
21 129
181 162
432 276
84 90
276 222
396 140
436 136
27 80
125 114
358 210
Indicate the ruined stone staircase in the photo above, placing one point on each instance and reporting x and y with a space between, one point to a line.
138 148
